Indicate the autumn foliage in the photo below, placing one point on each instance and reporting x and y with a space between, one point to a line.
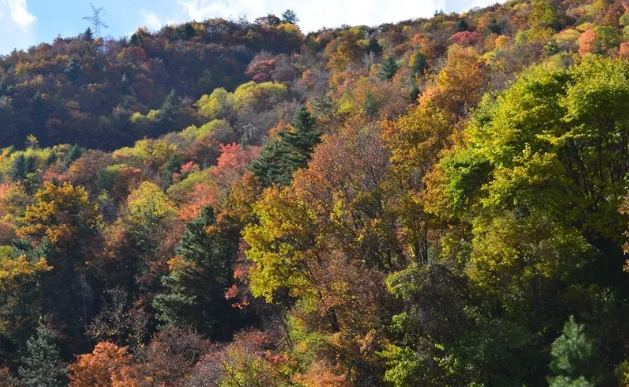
435 202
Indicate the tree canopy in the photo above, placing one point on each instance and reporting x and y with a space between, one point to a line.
434 202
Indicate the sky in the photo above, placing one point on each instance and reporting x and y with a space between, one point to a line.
24 23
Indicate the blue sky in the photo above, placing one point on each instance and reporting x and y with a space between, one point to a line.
24 23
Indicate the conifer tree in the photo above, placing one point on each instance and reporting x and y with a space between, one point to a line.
415 92
418 64
42 364
573 358
21 167
88 35
493 27
169 108
388 68
74 154
289 16
199 277
31 142
188 31
370 106
305 136
461 25
135 40
290 150
172 166
73 68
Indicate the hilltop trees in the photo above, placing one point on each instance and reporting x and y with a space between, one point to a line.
127 77
289 16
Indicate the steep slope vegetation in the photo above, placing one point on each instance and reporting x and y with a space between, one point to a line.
437 202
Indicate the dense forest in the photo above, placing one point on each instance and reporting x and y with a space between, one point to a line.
226 203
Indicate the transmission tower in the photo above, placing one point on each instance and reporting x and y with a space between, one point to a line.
96 19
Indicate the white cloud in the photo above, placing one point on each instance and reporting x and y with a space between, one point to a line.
329 13
19 13
466 5
203 9
150 20
14 16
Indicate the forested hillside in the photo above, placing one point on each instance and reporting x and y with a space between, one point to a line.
437 202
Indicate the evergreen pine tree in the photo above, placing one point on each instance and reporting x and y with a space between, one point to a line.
172 166
88 36
52 157
573 361
135 40
74 154
461 25
188 31
42 363
493 27
73 68
21 167
289 16
283 155
304 137
196 285
18 169
370 106
267 167
388 68
31 142
169 108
